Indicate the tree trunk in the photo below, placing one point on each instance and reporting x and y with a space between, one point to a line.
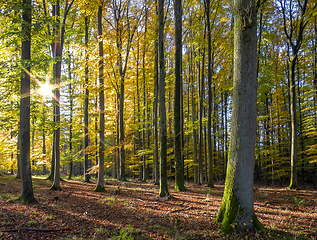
144 177
293 182
86 119
71 120
18 159
201 110
237 207
27 195
210 156
101 182
179 171
57 77
155 130
162 108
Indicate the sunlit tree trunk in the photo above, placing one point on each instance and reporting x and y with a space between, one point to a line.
237 207
57 75
101 181
144 177
155 130
70 120
27 195
162 108
201 110
210 156
86 92
295 44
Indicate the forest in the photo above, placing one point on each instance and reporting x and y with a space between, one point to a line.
180 97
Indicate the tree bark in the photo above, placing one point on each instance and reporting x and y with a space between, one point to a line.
237 207
86 92
70 88
155 130
179 171
210 182
57 75
27 195
162 108
101 181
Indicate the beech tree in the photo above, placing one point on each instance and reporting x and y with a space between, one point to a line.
237 208
294 36
178 131
27 195
101 181
162 109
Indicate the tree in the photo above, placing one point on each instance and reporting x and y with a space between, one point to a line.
237 209
27 195
178 131
86 137
295 27
101 181
162 108
57 77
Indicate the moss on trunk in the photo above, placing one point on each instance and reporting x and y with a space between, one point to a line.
28 197
99 189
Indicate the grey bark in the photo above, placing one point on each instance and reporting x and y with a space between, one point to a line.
162 108
178 131
27 195
101 180
237 205
86 92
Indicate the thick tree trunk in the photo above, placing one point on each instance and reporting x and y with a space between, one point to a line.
101 181
237 207
179 171
27 195
86 137
162 108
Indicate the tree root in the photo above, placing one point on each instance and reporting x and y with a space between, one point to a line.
34 229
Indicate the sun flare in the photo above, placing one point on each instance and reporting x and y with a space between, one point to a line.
46 90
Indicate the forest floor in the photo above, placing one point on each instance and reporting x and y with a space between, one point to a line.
131 210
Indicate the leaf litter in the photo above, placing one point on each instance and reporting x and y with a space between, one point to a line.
131 210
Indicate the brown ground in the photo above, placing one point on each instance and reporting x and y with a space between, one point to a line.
135 212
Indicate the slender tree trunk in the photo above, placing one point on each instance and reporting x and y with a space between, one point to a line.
162 108
27 195
71 121
139 115
144 98
101 181
155 130
210 156
18 159
201 109
57 77
293 182
315 98
179 171
194 118
86 89
237 207
44 147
